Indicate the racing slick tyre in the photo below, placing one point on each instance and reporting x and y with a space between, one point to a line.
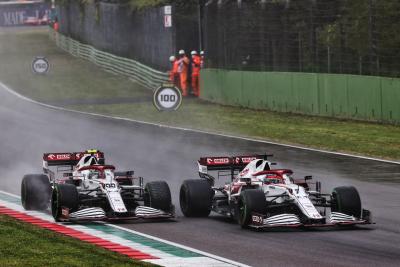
35 192
346 200
157 195
250 201
195 198
64 196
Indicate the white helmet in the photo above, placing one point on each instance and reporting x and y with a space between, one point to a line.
181 52
172 58
193 53
201 52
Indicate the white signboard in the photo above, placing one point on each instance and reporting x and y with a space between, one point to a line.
167 10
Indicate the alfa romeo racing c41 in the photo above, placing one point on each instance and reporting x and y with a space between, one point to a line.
80 186
261 197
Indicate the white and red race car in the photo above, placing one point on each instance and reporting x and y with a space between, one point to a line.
261 197
80 186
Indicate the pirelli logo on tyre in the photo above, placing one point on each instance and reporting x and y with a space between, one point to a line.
167 98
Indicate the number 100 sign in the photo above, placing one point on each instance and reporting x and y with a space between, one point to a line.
167 98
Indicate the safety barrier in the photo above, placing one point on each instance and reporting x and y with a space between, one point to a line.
342 96
138 72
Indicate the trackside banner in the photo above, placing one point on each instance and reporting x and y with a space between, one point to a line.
22 13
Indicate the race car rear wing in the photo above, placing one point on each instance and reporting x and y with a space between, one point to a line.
69 158
232 164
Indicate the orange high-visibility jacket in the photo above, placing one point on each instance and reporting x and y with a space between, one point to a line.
174 70
196 63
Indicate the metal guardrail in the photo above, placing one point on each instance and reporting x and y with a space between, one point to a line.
140 73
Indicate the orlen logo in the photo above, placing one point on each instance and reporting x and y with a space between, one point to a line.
248 159
218 161
63 156
58 156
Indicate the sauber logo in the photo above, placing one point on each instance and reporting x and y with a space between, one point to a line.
217 160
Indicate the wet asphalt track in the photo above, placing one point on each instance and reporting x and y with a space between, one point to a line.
28 130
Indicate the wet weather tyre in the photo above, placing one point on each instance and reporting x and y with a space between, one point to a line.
64 196
35 192
195 198
346 200
250 201
158 196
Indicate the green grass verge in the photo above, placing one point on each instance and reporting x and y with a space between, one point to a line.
72 78
22 244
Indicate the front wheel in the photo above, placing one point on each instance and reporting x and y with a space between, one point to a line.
250 201
158 196
345 199
64 196
35 192
195 198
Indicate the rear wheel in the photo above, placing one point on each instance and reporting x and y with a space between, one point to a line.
158 196
64 196
346 200
195 198
35 192
250 201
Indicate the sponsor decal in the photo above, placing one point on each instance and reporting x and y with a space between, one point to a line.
109 185
217 161
245 160
63 156
248 159
58 156
257 219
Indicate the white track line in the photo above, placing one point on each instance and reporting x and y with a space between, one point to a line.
8 89
179 246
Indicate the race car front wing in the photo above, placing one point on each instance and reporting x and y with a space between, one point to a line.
98 214
292 220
